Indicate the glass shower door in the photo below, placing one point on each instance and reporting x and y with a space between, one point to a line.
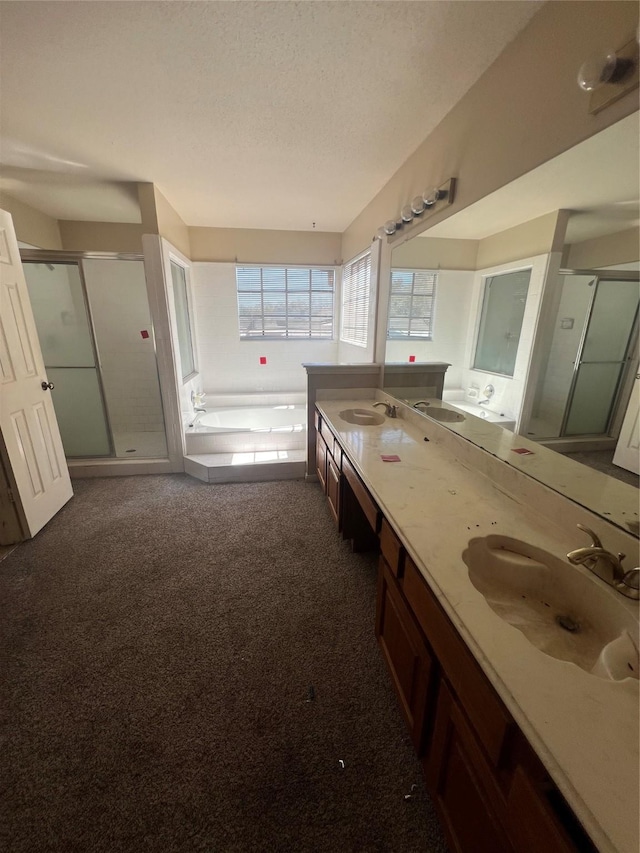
603 358
60 312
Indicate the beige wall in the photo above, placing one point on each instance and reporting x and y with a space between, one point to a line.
171 226
536 237
435 253
523 111
100 236
263 246
607 251
32 226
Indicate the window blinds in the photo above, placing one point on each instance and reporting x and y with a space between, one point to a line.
356 287
411 304
285 302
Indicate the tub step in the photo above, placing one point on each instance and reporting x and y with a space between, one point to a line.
247 467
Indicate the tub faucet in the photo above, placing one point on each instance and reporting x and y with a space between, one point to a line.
606 565
197 411
389 410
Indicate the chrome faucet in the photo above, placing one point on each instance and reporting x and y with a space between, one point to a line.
389 410
421 403
197 411
606 566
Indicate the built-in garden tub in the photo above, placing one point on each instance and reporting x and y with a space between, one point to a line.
244 425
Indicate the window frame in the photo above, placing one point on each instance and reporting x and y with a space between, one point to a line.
367 311
174 260
432 317
486 277
286 337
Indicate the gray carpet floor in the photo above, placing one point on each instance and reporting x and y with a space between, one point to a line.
160 638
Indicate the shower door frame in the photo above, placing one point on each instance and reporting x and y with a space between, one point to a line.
626 361
62 256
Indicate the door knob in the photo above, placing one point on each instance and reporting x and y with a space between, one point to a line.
47 386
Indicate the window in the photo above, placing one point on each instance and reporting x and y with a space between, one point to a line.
183 320
505 298
411 304
285 302
356 284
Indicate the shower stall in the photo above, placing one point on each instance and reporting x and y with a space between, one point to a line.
94 326
584 383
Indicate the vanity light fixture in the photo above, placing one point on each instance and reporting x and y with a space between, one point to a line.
420 205
609 75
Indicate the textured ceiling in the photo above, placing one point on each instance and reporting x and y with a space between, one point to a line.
244 114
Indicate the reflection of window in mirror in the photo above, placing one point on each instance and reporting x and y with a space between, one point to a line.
411 304
503 304
183 320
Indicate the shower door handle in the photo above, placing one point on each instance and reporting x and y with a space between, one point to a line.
47 386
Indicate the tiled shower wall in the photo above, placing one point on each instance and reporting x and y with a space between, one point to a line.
228 365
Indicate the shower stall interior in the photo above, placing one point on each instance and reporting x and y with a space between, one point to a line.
584 384
94 327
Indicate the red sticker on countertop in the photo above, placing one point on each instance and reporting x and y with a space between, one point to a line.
263 359
391 457
144 333
522 451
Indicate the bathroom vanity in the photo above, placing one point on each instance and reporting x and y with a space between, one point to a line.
522 750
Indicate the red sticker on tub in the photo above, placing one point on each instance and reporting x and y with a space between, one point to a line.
389 457
412 358
144 333
263 359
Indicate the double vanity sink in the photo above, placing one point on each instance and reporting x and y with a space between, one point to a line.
558 644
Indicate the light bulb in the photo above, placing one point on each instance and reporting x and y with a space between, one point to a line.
390 227
596 71
406 214
431 196
381 233
417 205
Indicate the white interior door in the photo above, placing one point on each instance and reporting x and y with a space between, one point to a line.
27 418
627 453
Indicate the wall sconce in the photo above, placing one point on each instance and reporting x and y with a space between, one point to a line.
609 75
421 205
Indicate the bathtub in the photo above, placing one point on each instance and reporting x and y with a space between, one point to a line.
482 412
238 429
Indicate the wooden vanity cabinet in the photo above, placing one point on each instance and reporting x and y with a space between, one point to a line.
321 461
406 655
488 786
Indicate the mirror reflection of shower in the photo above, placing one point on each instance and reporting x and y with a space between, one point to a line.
585 383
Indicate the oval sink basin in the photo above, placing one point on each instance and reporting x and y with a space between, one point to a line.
439 414
362 417
560 610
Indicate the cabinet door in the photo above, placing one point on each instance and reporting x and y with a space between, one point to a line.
321 461
333 488
405 654
461 783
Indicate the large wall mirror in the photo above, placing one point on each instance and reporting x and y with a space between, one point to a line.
531 295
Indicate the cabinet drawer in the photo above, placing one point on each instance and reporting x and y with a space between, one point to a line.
392 549
326 433
489 717
333 488
321 461
369 507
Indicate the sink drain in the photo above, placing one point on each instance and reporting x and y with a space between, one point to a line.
568 624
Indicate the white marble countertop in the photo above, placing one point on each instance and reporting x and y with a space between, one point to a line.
584 728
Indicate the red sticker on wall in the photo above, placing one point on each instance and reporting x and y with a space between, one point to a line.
144 333
263 359
412 358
